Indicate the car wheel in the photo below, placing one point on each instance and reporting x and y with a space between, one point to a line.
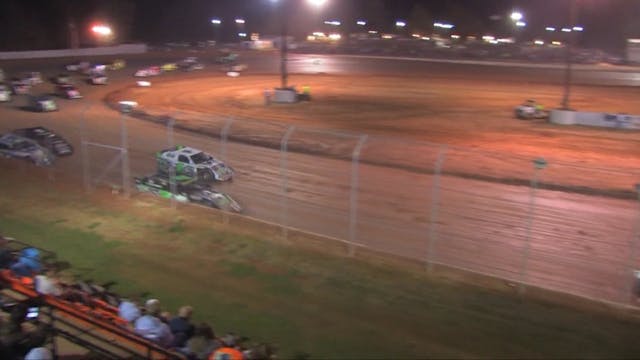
205 175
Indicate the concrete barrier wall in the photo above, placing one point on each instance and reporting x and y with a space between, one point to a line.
97 51
616 121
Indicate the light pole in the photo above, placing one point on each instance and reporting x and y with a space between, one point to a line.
569 43
216 22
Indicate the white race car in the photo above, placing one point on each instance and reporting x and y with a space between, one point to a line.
193 163
530 109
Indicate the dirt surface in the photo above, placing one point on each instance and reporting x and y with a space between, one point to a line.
472 114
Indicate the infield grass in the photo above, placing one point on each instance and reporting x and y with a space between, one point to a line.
303 300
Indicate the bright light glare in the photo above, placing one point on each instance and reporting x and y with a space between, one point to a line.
332 22
566 30
240 21
101 30
516 16
361 22
216 21
488 38
443 25
455 36
425 38
578 28
334 37
400 23
539 42
317 3
521 24
550 28
557 43
241 34
372 32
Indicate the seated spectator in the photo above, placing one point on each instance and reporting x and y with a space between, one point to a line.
203 343
48 284
151 327
129 310
181 327
228 351
28 263
39 351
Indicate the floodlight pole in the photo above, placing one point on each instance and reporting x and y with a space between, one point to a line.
567 72
283 44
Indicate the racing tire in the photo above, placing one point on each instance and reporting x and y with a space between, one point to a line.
205 176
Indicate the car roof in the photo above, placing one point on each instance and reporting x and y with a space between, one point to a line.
186 150
12 138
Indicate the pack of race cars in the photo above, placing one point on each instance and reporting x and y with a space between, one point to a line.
184 173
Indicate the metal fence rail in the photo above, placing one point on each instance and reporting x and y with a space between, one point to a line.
553 225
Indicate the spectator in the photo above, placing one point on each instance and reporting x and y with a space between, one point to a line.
38 351
28 263
228 351
128 309
151 327
47 284
203 343
181 327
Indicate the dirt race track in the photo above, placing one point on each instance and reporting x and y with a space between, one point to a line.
468 113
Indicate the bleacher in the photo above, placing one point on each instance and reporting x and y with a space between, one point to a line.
92 321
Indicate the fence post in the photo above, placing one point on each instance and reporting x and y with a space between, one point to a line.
634 286
172 171
284 203
125 155
353 198
86 172
224 135
435 207
538 164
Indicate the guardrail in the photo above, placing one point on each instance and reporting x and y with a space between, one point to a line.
96 51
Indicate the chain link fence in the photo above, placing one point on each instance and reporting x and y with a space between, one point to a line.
553 225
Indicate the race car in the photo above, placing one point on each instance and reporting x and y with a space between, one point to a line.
77 66
68 91
42 103
19 87
191 63
193 163
46 138
32 78
236 67
184 189
98 79
169 67
97 69
117 64
62 78
14 146
226 58
149 71
5 93
530 109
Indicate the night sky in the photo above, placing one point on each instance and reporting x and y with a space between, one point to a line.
31 24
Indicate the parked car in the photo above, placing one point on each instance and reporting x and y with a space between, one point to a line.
42 103
68 91
184 189
15 146
5 93
47 139
62 78
194 163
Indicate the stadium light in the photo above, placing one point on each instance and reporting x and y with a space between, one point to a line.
521 24
240 21
102 30
361 22
317 3
578 28
216 21
401 24
550 28
516 16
